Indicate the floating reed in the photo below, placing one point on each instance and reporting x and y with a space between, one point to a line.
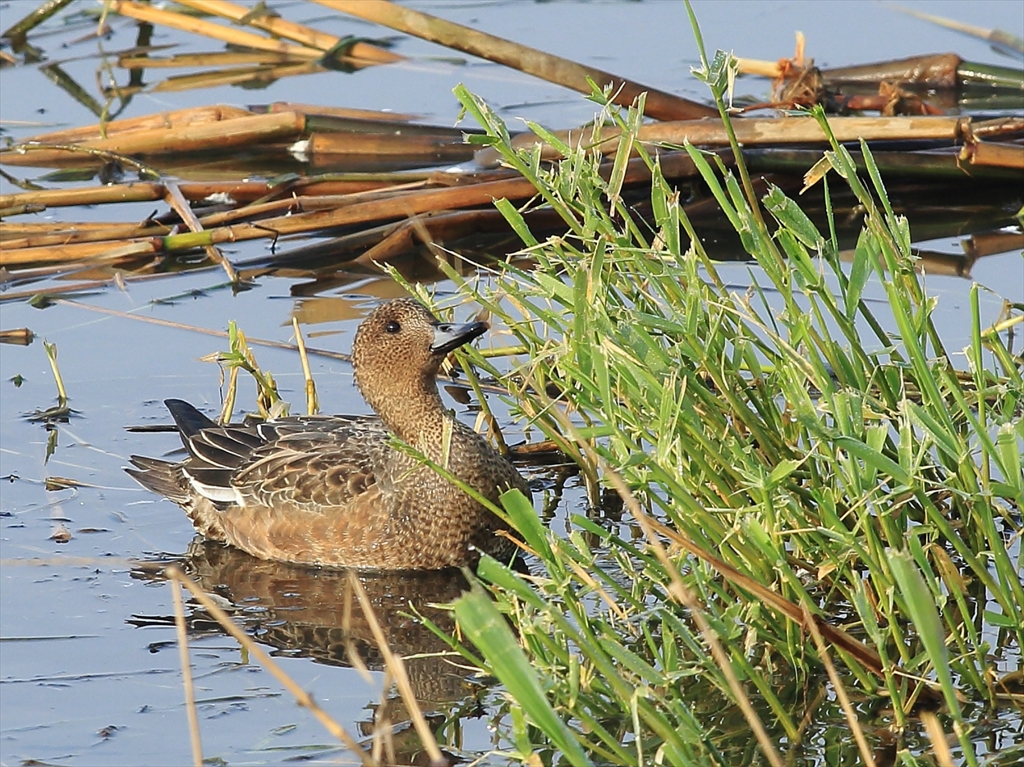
219 135
165 120
660 105
754 132
233 191
343 211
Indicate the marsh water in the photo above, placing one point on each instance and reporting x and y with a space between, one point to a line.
90 671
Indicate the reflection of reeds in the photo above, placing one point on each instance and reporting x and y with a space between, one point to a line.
360 51
380 621
231 35
303 698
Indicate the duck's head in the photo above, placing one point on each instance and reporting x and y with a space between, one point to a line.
399 349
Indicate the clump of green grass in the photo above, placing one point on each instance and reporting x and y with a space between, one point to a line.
796 461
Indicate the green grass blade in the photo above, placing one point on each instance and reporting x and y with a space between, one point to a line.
487 628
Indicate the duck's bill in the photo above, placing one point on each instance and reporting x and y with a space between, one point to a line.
448 336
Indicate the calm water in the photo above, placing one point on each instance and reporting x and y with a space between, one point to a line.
90 675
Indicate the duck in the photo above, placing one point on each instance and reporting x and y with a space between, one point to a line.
343 491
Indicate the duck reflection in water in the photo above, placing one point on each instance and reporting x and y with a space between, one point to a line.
314 613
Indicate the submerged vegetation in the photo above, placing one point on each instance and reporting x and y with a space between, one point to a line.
799 463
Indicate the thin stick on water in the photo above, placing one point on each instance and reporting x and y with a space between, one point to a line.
841 695
397 669
302 697
196 328
177 201
186 676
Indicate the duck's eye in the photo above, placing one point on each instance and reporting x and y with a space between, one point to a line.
392 327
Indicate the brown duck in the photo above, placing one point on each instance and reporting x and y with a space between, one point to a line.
334 490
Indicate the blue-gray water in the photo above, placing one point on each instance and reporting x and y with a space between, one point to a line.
79 684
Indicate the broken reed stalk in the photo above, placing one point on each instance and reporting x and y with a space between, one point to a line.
194 137
51 355
330 146
660 105
186 675
289 30
178 202
986 154
231 391
195 191
312 400
21 209
334 132
396 667
71 154
303 698
17 336
99 252
925 164
343 112
206 60
752 132
166 120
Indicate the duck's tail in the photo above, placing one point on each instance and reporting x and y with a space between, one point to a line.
171 480
168 479
162 477
188 420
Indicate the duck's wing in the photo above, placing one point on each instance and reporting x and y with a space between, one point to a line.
304 461
315 464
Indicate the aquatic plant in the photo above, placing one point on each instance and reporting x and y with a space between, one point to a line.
830 508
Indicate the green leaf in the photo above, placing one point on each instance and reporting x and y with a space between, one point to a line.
789 214
1000 620
782 470
876 459
487 628
859 271
920 604
526 521
516 221
944 439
